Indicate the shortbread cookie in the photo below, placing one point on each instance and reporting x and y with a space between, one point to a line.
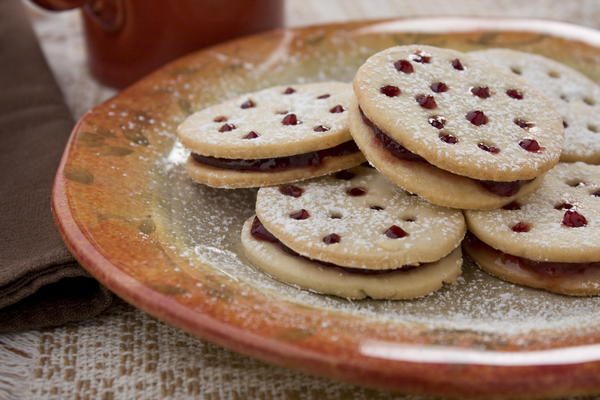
262 138
358 219
459 113
270 256
552 234
575 96
435 185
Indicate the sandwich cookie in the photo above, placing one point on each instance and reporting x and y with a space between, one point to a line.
451 128
548 240
277 135
354 235
575 96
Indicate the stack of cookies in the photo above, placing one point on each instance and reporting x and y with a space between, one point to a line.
450 135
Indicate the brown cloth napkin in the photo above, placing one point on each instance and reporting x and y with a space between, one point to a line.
40 283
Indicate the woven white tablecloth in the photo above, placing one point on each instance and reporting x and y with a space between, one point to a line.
125 354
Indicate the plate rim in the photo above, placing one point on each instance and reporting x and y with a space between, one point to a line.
275 351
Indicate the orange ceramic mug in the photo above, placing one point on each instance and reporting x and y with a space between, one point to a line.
126 39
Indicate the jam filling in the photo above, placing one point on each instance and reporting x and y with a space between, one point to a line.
503 189
259 232
544 268
312 159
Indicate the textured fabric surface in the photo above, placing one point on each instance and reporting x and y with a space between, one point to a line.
124 353
37 273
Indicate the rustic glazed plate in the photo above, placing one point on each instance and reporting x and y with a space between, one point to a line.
170 247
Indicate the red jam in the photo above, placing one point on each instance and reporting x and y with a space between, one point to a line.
481 92
259 232
227 128
544 268
530 145
248 104
457 65
439 87
290 119
426 101
395 232
251 135
404 66
477 117
573 219
504 189
332 238
300 214
390 90
312 159
356 192
289 90
291 190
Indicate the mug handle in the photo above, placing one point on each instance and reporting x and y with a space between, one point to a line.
59 5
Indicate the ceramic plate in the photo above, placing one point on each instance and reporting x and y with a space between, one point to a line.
134 221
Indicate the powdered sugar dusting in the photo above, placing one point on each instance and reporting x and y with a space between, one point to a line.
566 188
405 117
575 96
283 118
203 226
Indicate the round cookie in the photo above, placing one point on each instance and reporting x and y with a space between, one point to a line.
272 259
560 222
460 113
285 120
231 179
584 282
428 181
358 219
575 96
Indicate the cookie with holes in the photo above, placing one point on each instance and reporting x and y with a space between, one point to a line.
575 96
276 135
548 240
354 234
451 128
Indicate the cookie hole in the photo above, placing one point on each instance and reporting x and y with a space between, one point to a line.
251 135
514 94
483 92
457 65
220 118
332 238
521 227
300 214
376 207
248 104
320 128
395 232
589 101
289 90
335 215
575 183
516 70
564 98
291 190
227 127
404 66
345 175
530 145
324 96
421 57
390 90
439 87
409 218
596 193
356 191
563 205
592 128
553 74
565 124
573 219
512 206
426 101
477 117
522 123
290 119
448 138
337 109
488 147
437 121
